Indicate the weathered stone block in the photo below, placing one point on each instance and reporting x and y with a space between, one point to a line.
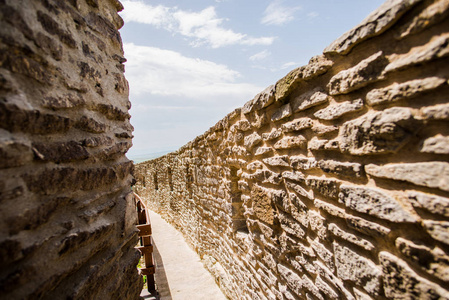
402 91
358 269
335 230
303 163
309 99
316 144
277 161
291 142
317 65
431 15
283 112
365 72
434 204
291 278
337 111
433 261
438 144
273 134
262 205
437 112
439 230
401 282
429 174
297 125
60 152
376 133
326 187
374 202
376 23
341 168
435 49
252 140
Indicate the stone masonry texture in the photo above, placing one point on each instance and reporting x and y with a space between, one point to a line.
334 182
67 217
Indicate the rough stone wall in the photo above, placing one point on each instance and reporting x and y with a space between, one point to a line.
334 182
67 219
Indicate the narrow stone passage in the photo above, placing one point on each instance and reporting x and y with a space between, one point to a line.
185 275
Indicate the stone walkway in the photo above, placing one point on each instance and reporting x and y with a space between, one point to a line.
179 272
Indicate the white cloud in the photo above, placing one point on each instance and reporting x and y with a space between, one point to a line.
203 27
312 15
162 72
277 14
260 55
288 65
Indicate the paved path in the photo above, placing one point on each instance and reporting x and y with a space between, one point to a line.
179 272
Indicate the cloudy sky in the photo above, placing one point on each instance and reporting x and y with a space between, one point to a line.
192 62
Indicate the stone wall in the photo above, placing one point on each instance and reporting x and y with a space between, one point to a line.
66 209
333 183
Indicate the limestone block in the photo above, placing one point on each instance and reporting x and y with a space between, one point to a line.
437 144
402 91
382 132
433 261
434 204
316 144
325 273
341 168
303 163
309 285
273 134
365 72
13 152
374 202
297 125
326 187
291 142
326 289
283 112
294 176
401 282
439 230
322 130
339 110
254 166
431 15
243 125
262 151
261 100
252 140
298 210
323 253
429 174
262 205
437 112
277 161
298 189
359 295
292 279
15 119
336 231
319 225
266 176
317 65
330 209
376 23
366 227
435 49
309 99
60 151
290 225
358 269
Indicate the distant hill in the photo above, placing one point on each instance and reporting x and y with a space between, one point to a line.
144 157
